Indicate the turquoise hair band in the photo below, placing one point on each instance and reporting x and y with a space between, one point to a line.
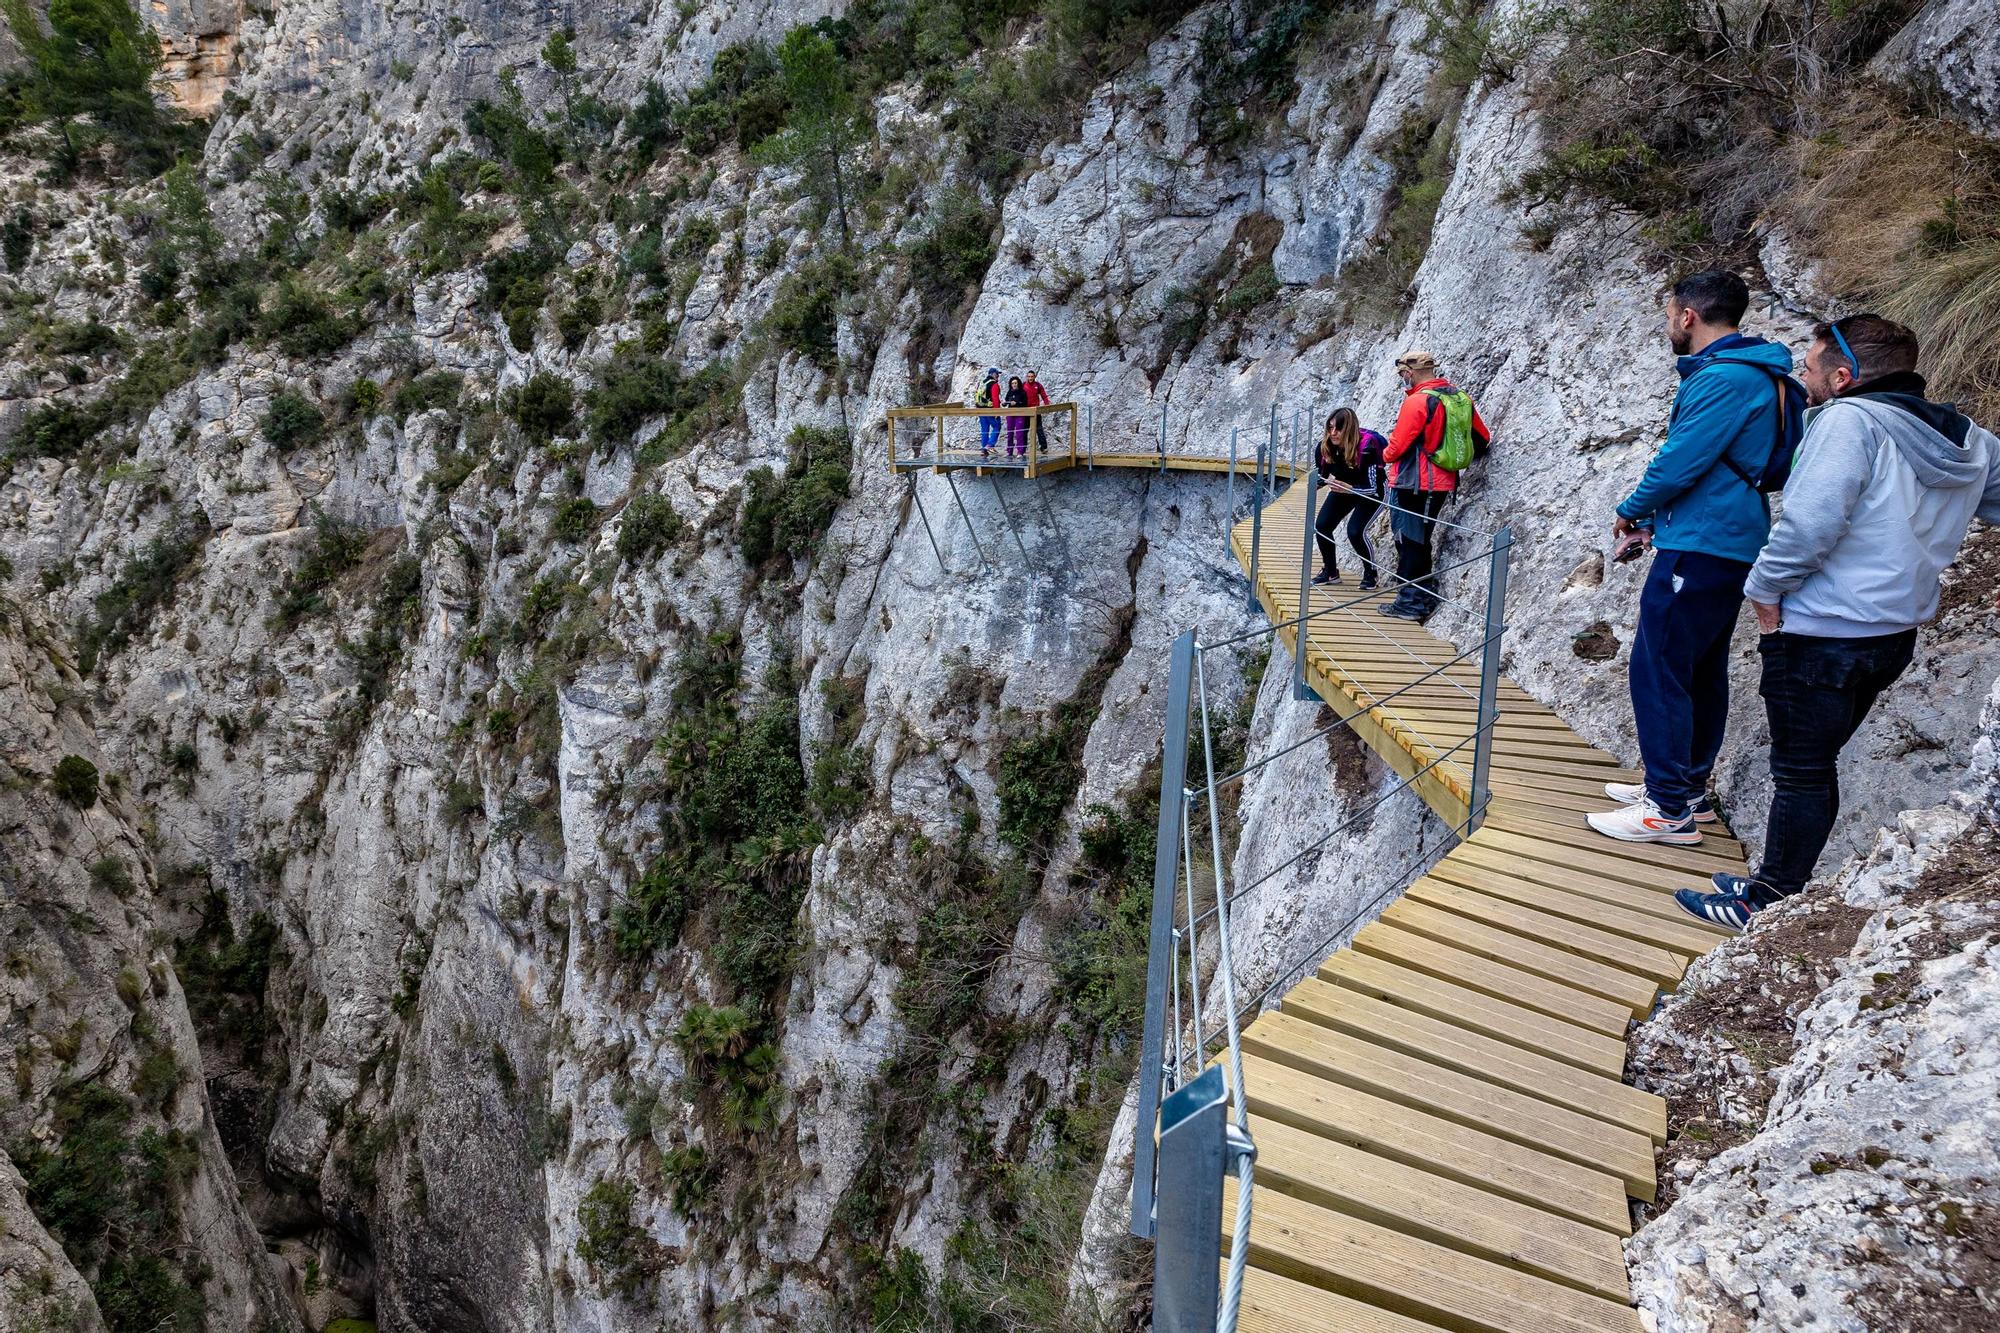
1846 351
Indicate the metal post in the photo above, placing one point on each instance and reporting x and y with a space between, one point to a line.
1300 690
1489 677
1163 434
919 501
1090 432
1256 531
1229 518
1161 945
1193 1154
1008 514
951 481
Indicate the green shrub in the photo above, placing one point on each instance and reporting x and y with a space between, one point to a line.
577 320
1257 286
364 396
336 548
292 421
651 917
517 285
111 874
544 407
611 1245
126 608
75 781
437 388
956 252
304 325
805 313
633 389
575 520
113 1199
648 524
791 514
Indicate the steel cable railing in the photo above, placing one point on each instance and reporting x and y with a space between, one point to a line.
1193 1107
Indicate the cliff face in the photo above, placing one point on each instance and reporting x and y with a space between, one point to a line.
663 888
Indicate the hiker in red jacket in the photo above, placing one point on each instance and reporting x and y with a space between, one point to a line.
1420 485
1038 397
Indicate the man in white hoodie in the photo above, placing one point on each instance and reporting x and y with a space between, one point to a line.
1884 487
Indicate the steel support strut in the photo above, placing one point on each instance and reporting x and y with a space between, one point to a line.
1162 944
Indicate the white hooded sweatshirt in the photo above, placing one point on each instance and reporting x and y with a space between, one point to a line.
1877 506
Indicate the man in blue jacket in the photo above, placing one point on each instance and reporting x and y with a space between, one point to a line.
1708 518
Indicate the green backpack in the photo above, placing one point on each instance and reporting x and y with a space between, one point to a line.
1455 449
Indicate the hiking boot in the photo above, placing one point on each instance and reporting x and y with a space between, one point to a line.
1731 911
1643 821
1326 576
1403 611
1368 585
1625 793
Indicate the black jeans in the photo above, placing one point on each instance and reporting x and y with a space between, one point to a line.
1357 510
1680 671
1816 691
1414 534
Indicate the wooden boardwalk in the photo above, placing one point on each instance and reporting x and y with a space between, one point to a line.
1444 1136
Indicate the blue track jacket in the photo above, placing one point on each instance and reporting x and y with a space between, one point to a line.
1692 499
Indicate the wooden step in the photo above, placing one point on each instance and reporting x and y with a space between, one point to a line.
1532 1075
1368 1066
1500 1019
1332 1175
1274 1304
1585 941
1383 940
1414 1277
1634 992
1627 863
1432 1143
1590 910
1633 897
1710 856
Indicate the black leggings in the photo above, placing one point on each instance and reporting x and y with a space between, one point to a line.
1357 509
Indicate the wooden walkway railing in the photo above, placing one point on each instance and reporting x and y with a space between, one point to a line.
1444 1137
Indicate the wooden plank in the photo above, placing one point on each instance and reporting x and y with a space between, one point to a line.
1460 1217
1476 1011
1360 1061
1586 941
1535 1077
1373 1264
1581 798
1432 1143
1591 910
1710 855
1636 897
1598 773
1634 992
1274 1304
1382 939
1614 862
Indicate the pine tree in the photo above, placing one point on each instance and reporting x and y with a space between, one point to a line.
97 61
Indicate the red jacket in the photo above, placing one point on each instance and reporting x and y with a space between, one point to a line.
1421 420
991 393
1037 395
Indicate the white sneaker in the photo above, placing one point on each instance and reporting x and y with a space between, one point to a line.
1641 821
1630 793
